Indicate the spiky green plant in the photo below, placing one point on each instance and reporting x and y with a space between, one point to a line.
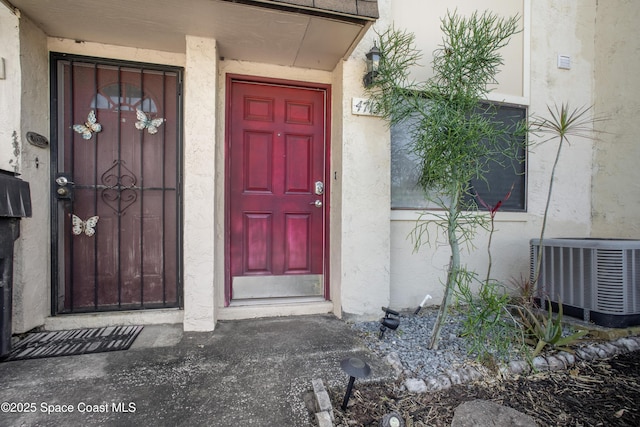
488 327
546 330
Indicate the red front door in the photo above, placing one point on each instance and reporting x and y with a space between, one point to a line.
116 173
276 190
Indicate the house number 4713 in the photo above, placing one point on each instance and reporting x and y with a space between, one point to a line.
362 107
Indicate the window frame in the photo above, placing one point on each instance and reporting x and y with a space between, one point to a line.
523 109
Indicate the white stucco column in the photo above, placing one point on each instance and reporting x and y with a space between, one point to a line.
361 261
31 280
199 189
24 99
365 205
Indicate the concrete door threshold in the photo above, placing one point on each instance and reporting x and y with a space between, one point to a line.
274 307
112 318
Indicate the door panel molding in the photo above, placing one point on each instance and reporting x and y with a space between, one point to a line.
297 181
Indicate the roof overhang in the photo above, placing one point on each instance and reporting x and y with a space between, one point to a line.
312 34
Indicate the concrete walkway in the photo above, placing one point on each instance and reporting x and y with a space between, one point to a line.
245 373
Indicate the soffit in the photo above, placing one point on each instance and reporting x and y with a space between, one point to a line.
270 32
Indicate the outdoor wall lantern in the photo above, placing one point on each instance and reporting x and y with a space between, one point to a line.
373 62
355 368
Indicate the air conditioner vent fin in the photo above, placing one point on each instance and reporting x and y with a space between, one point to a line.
599 275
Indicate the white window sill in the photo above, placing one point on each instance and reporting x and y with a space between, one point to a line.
414 215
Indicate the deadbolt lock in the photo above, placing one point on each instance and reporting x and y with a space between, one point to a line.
64 187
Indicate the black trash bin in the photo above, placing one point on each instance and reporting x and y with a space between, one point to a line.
9 231
15 203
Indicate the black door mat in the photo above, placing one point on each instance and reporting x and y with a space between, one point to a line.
77 341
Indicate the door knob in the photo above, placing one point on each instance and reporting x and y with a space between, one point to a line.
63 181
64 189
318 203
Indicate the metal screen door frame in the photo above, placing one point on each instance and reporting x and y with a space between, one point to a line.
152 191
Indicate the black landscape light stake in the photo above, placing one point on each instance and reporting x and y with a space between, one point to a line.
355 368
388 322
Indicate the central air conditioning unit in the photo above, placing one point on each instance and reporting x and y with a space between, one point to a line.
597 280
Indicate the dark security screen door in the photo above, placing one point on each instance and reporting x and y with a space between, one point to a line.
115 190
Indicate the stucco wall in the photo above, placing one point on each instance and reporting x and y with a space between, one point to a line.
9 91
561 27
550 28
199 187
31 289
424 21
362 144
115 52
616 193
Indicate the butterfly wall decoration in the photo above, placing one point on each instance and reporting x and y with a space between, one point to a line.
87 227
144 122
90 127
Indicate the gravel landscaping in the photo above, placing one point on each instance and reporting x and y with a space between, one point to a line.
597 383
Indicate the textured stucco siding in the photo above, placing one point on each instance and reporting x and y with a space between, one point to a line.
32 267
531 77
10 146
616 188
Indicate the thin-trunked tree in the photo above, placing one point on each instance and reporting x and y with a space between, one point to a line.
452 136
561 123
